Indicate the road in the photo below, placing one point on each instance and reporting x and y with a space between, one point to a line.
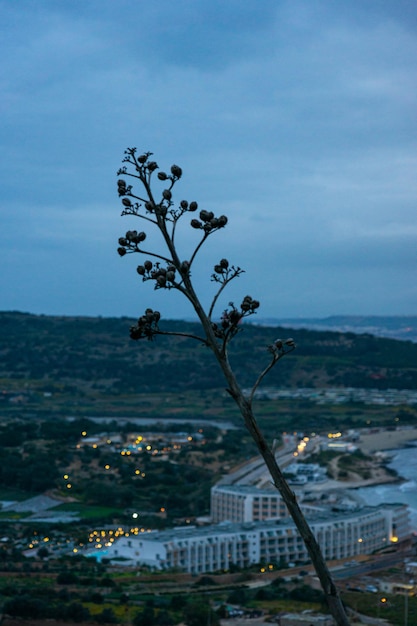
255 472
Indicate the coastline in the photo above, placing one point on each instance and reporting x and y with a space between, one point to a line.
372 442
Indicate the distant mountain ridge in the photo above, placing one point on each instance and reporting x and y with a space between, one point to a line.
402 327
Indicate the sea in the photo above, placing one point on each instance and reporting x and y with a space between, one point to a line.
404 462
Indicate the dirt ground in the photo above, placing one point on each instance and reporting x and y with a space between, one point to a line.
380 440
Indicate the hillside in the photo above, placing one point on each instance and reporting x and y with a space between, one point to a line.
81 353
402 327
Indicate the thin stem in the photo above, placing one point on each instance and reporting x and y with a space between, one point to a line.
188 335
276 357
216 297
143 217
156 256
198 247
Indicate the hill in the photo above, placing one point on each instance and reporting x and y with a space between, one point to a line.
402 327
84 353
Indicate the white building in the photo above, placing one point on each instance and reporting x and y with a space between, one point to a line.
217 547
245 503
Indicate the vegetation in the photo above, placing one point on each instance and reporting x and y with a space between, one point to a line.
76 355
106 483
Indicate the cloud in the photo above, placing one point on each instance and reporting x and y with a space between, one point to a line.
295 120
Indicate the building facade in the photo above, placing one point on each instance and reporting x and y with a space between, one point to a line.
198 550
244 503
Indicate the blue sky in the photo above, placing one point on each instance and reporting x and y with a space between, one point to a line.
295 118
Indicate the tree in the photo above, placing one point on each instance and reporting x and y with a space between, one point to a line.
167 270
198 611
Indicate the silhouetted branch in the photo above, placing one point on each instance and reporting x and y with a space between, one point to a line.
217 335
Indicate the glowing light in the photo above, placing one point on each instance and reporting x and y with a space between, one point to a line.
107 467
394 539
135 515
84 433
65 476
69 486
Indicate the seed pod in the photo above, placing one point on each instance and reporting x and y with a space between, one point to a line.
162 176
156 316
224 263
123 241
222 221
152 165
161 280
141 237
196 223
121 251
149 206
143 158
148 265
184 204
290 342
218 269
131 234
278 343
235 316
185 266
170 276
176 171
171 268
166 194
140 270
206 216
193 206
245 306
214 222
121 183
126 202
207 227
135 333
255 304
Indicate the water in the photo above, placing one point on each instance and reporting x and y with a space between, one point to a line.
404 462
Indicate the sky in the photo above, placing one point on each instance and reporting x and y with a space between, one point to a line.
294 118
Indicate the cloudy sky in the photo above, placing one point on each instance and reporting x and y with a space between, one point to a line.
295 118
